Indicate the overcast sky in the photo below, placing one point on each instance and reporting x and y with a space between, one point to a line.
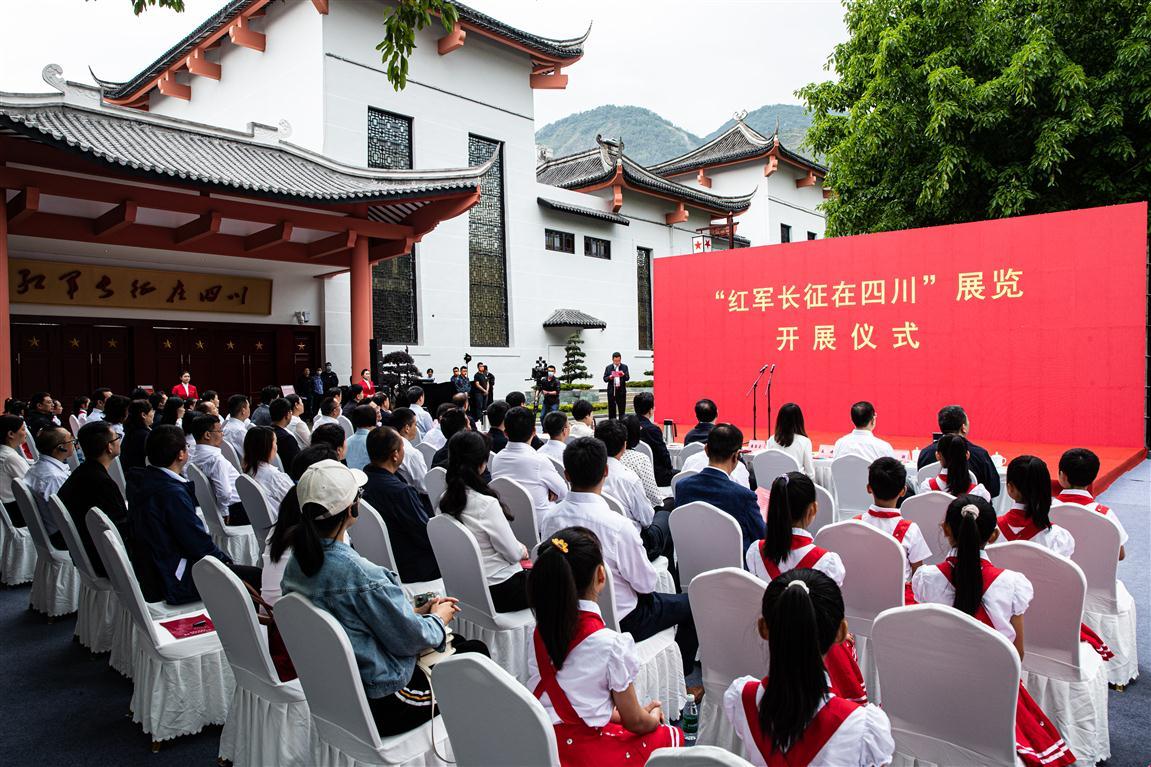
692 61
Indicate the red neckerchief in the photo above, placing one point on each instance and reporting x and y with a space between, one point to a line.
798 541
1016 525
819 731
990 573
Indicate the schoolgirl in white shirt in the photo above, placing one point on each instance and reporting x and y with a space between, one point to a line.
954 475
791 717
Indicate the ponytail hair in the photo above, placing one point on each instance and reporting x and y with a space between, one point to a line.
971 520
563 572
791 494
953 450
1032 479
308 536
467 452
803 610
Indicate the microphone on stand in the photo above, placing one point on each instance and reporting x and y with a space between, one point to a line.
765 367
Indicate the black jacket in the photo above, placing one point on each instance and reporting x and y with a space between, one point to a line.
36 421
623 382
330 379
87 486
499 439
651 434
286 447
698 433
132 448
407 520
980 464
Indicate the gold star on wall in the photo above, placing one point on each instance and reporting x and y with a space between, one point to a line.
113 343
301 346
167 344
200 345
230 345
259 346
34 342
74 342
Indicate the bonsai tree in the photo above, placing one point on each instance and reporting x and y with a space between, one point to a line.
574 368
397 373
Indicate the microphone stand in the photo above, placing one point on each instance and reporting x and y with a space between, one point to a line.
770 376
753 392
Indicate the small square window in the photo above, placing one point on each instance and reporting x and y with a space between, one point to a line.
560 242
811 235
785 233
596 248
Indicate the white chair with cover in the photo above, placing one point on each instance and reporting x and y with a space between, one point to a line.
927 472
958 712
491 718
769 464
427 451
689 450
660 660
873 561
707 538
237 541
519 503
74 424
30 443
928 510
345 424
278 462
370 538
849 473
230 456
73 461
97 607
55 582
559 467
17 552
179 686
507 635
1065 676
827 510
116 472
726 606
681 475
697 756
268 722
1108 609
259 510
644 448
614 504
436 481
343 732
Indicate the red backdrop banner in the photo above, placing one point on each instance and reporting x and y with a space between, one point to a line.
1036 325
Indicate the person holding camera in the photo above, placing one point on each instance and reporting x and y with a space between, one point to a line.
549 388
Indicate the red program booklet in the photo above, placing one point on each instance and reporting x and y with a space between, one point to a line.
181 628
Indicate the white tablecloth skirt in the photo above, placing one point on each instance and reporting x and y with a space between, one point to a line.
1118 631
1077 709
661 673
96 616
261 732
55 587
714 727
509 647
243 549
171 698
17 556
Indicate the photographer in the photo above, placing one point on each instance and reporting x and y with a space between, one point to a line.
549 387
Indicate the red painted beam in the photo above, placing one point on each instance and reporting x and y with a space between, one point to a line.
243 35
678 216
321 6
264 238
23 205
197 229
809 180
114 220
170 87
452 40
199 65
554 81
333 244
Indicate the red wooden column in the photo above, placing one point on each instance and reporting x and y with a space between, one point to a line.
361 279
5 307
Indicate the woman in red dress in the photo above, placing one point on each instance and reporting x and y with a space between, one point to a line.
366 383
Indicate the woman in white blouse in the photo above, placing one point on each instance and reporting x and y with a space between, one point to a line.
296 427
468 498
259 452
13 464
791 437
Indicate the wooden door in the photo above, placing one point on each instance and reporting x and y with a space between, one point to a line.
228 364
32 353
171 356
260 369
111 355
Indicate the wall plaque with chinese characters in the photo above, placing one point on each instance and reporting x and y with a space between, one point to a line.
68 284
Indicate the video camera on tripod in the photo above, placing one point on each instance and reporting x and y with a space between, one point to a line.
539 371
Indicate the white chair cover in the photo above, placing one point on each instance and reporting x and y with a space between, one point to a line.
56 582
436 481
346 425
559 466
1108 608
98 608
644 448
230 456
1065 676
427 451
706 538
661 663
74 424
343 732
849 473
259 510
17 552
491 718
268 722
519 503
116 472
928 510
873 561
726 606
507 635
769 464
614 504
697 756
927 472
371 540
680 475
73 460
827 510
179 685
961 711
690 450
237 541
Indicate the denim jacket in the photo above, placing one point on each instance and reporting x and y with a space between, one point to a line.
386 633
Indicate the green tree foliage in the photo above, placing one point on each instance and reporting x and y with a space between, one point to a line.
955 110
574 368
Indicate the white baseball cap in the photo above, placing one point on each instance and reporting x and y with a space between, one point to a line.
330 484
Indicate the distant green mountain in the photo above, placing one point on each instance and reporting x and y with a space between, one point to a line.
649 138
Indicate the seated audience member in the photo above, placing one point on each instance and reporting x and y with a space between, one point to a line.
137 427
49 474
791 437
262 415
862 440
953 420
221 474
167 536
414 469
115 411
424 422
384 403
969 582
80 405
496 413
699 461
91 485
280 413
237 423
520 462
329 413
639 462
259 454
583 672
790 716
296 426
363 418
625 486
887 483
39 413
386 633
556 427
329 434
171 415
207 407
518 399
643 404
468 498
451 423
99 397
644 613
582 421
435 436
954 475
705 413
1029 487
1078 468
462 402
354 398
713 484
13 464
786 543
186 422
158 399
400 506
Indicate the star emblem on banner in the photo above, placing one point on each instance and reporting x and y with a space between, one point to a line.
74 343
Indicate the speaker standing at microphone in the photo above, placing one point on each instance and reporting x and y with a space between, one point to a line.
616 377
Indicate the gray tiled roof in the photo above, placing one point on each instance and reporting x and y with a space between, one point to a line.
598 165
253 162
566 50
580 210
573 318
739 142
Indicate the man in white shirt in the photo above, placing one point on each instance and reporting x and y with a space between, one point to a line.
236 424
518 461
557 429
435 436
329 413
96 406
644 612
862 440
414 469
424 420
209 435
625 486
49 474
582 423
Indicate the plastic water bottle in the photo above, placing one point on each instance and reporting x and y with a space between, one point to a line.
689 721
